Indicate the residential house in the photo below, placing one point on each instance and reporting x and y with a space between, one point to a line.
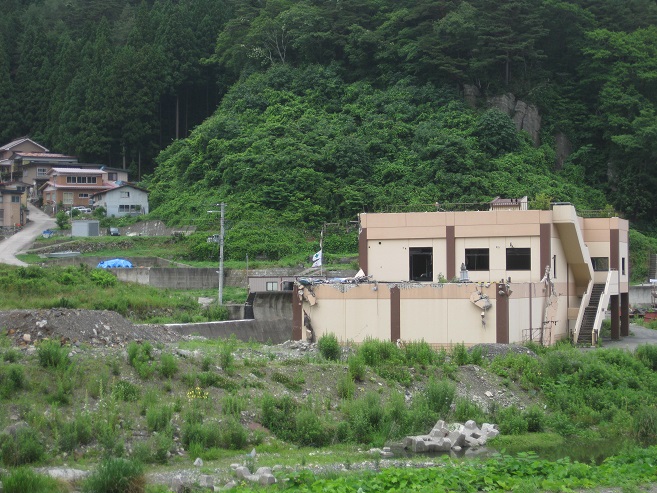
11 212
123 200
74 186
506 275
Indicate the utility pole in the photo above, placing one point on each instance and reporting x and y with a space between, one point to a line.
221 257
220 293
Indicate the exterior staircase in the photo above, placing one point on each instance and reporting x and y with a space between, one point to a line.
585 337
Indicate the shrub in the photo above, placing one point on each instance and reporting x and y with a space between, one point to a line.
139 357
51 354
465 409
644 424
12 379
23 447
647 354
75 432
511 421
233 434
168 366
419 353
11 356
346 387
126 391
310 430
103 278
460 354
232 405
226 357
329 347
356 367
440 395
278 415
158 418
116 475
535 418
25 480
375 352
208 435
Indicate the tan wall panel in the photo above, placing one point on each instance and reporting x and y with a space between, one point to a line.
383 220
518 318
593 223
426 219
597 249
593 235
388 261
474 218
367 318
422 320
464 323
404 233
493 230
515 217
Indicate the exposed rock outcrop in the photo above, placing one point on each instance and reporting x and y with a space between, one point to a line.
525 116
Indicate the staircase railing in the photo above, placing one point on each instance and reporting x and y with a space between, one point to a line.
586 298
601 309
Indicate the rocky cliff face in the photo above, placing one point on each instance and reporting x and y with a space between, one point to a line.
525 116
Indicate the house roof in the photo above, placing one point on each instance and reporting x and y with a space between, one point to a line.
8 147
45 155
76 171
122 184
503 201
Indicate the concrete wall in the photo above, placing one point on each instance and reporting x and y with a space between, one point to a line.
640 295
244 330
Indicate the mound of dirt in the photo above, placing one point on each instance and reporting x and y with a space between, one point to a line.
93 327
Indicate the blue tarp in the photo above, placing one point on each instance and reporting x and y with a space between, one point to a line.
114 263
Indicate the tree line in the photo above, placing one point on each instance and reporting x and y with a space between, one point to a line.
354 103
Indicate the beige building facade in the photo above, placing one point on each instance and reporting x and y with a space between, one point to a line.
498 276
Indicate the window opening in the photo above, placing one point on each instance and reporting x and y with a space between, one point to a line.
421 264
518 258
600 264
477 259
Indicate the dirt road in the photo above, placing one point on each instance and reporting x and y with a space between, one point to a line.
9 247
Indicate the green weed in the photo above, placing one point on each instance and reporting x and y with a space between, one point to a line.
329 347
116 475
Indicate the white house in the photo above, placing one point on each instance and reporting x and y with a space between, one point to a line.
124 200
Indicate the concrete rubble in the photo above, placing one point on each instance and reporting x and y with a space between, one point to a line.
446 437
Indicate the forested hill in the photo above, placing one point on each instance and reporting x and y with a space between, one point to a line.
300 112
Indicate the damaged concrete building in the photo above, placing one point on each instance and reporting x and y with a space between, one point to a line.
503 275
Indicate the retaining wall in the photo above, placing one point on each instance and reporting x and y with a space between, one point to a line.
640 295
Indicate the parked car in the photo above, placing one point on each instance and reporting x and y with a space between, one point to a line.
81 208
114 232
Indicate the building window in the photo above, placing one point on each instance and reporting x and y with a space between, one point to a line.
271 286
42 172
80 179
518 258
477 259
600 264
15 198
68 198
83 195
554 266
622 266
421 264
112 176
125 195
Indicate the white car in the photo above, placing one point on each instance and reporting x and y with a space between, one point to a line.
82 209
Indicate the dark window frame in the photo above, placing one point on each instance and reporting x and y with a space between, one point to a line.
518 259
477 259
420 264
600 264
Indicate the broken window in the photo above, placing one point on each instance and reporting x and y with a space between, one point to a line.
518 258
477 259
421 264
600 264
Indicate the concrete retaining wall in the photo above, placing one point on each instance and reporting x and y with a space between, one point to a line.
640 295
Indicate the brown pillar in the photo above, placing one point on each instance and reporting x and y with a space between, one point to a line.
545 247
297 315
395 314
502 315
615 318
362 249
450 252
614 249
625 314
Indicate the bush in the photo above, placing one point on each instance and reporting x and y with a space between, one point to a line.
233 434
460 355
329 347
23 447
535 418
232 405
511 421
356 367
103 278
25 480
375 352
158 418
12 379
168 366
310 430
116 476
278 415
126 391
644 425
51 354
440 395
647 354
139 357
75 432
419 353
226 357
465 409
346 387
